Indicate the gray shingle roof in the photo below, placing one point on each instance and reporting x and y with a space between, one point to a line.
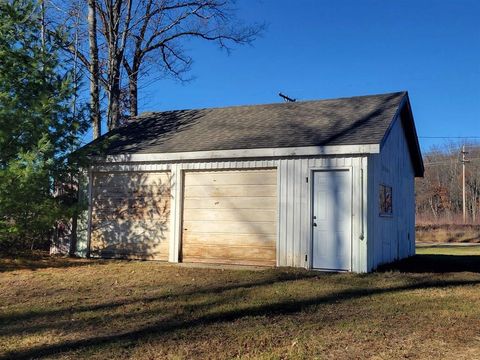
345 121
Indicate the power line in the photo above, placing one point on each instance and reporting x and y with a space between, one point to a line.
453 161
449 137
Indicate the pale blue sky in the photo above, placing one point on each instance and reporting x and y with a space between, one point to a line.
326 49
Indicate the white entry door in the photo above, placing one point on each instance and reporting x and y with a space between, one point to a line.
332 217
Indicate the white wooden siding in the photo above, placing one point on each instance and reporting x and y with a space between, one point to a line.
83 226
393 236
294 237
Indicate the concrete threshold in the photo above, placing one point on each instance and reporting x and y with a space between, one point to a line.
223 266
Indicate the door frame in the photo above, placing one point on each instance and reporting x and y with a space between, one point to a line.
311 174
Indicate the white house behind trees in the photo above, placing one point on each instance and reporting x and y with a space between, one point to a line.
325 185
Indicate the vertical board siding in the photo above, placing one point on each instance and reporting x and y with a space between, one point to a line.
304 216
282 248
290 235
297 210
294 201
83 221
295 213
393 236
176 213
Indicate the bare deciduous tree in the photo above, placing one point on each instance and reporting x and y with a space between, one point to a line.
134 39
156 38
95 117
439 193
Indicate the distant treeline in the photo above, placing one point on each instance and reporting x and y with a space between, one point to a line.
439 193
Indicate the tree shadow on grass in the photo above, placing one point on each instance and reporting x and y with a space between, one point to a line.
433 263
164 327
280 277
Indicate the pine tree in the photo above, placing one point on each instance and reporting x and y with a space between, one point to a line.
37 127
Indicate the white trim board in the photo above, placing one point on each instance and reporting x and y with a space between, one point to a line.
245 153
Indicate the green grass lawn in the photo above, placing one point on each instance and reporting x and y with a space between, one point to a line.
70 309
433 249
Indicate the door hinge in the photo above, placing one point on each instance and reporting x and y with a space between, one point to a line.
306 257
306 179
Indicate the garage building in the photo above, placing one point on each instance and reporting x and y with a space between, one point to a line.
325 185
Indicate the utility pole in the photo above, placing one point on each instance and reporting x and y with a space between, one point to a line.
464 161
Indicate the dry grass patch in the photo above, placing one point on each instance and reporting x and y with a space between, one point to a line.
454 233
150 310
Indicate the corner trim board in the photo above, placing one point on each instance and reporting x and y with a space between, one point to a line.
90 208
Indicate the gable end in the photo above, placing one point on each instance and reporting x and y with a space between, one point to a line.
404 111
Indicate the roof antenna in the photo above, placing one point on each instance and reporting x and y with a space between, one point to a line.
286 98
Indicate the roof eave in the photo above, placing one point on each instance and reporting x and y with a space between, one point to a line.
244 153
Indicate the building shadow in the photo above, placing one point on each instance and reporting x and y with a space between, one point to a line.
433 263
41 261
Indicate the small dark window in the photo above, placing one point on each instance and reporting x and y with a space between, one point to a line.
385 199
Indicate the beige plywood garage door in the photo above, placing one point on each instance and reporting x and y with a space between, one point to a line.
230 217
130 215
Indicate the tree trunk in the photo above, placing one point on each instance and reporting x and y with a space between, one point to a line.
114 97
94 72
133 92
115 52
433 208
73 236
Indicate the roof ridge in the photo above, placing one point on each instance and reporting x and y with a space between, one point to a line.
150 113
